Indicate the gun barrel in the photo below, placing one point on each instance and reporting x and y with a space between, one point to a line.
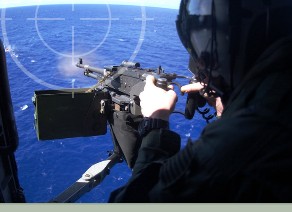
91 69
91 75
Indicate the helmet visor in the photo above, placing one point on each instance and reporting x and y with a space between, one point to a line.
194 25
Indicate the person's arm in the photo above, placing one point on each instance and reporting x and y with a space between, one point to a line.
157 103
157 144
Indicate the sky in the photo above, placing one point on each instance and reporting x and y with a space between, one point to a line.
172 4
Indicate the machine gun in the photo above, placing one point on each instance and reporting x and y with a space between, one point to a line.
126 81
84 112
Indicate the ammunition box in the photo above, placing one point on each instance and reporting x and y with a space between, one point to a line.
69 113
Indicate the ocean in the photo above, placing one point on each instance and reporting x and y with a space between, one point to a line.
43 43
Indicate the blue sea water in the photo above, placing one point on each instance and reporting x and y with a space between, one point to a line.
44 42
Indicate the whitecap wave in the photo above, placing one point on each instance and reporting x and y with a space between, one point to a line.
24 107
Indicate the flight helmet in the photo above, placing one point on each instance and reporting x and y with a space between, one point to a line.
226 37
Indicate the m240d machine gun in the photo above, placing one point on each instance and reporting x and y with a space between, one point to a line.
84 112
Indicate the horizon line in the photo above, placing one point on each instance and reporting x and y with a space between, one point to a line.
117 4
